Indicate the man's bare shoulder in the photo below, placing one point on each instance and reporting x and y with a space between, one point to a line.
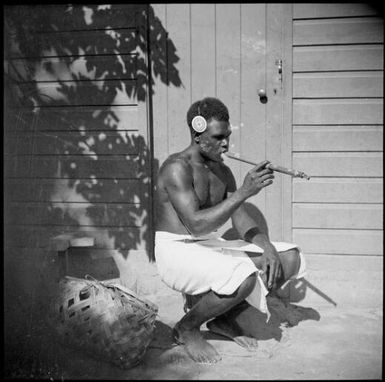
177 164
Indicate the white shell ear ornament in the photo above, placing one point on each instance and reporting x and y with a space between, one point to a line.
199 124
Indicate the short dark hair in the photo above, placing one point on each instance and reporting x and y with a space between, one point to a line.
208 108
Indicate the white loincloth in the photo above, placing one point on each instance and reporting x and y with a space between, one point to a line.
195 265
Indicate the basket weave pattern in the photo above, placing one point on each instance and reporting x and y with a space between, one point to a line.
106 320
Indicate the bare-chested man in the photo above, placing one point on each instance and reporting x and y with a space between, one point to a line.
197 194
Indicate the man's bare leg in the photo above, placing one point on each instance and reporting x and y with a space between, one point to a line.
290 261
227 326
209 306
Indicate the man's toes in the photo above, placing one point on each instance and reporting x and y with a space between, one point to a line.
201 351
205 358
249 343
212 359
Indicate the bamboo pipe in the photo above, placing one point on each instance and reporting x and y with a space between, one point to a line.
283 170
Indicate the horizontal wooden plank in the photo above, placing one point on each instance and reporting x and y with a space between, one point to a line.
63 242
94 190
67 118
73 214
75 167
126 266
318 10
338 190
14 254
92 67
73 143
350 242
63 17
78 93
338 57
103 268
359 30
338 84
338 111
338 138
331 164
109 238
346 216
349 281
104 41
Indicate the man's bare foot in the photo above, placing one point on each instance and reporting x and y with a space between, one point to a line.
196 346
230 329
286 312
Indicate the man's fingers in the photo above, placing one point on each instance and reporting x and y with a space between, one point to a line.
260 166
265 172
266 177
265 272
277 273
271 279
265 267
267 183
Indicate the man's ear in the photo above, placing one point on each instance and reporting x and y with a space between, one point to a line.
197 138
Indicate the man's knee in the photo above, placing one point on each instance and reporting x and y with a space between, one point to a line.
248 285
291 262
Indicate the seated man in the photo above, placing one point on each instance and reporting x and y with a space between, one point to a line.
196 194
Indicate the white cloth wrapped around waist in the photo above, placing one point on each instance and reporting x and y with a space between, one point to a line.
195 265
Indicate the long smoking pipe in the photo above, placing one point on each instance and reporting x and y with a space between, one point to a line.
283 170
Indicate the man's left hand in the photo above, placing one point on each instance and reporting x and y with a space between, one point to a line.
271 267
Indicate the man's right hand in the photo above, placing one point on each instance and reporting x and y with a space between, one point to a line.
256 179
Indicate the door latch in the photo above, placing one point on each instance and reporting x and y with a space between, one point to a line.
278 63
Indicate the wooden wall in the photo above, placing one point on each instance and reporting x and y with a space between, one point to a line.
325 120
77 156
338 128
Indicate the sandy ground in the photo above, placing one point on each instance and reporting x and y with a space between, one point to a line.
326 342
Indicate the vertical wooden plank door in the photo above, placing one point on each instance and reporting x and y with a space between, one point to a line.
258 47
230 51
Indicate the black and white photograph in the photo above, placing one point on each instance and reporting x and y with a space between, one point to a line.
193 191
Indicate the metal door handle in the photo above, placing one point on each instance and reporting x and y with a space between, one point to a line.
262 95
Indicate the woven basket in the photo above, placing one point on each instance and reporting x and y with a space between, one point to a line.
104 319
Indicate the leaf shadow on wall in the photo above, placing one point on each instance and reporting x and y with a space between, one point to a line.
77 155
76 80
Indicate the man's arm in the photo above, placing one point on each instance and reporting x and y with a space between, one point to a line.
178 180
250 231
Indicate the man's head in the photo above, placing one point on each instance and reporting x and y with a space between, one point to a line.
208 108
214 140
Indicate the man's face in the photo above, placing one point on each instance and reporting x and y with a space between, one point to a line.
215 139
